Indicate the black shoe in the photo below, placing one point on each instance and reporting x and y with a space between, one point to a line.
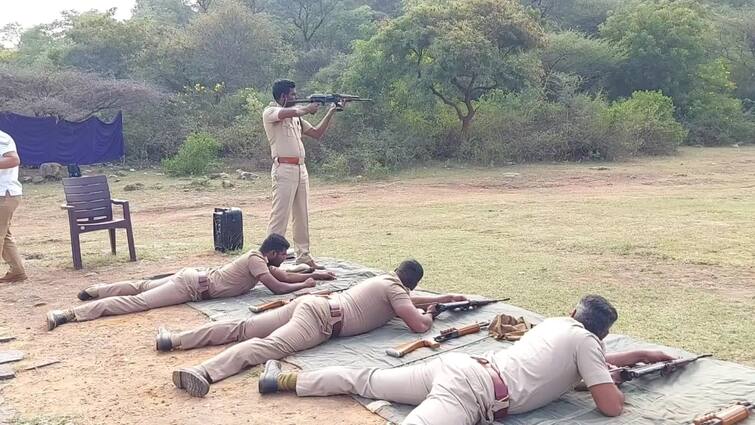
56 318
84 295
269 377
191 380
162 340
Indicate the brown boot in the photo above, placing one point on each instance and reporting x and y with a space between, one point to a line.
13 277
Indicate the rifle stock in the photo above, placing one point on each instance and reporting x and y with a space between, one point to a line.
434 343
663 368
259 308
407 348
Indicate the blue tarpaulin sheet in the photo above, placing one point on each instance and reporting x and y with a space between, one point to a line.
48 139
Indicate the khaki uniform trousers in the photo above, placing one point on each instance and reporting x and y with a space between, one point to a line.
8 205
308 324
453 389
291 198
133 296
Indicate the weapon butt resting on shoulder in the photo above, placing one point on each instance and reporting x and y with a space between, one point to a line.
434 343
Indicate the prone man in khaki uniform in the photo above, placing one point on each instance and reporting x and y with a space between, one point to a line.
191 284
304 323
458 389
284 128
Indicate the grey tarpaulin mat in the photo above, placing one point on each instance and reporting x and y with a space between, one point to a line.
698 388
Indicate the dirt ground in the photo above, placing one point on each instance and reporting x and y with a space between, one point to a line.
109 371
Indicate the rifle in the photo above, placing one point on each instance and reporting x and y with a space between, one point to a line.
664 368
337 99
259 308
727 416
458 305
434 343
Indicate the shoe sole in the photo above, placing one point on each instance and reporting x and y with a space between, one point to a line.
269 384
51 324
192 384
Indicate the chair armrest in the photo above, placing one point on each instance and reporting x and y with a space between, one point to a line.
119 202
66 207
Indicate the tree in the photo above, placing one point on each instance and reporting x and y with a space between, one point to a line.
580 15
309 17
595 61
171 12
98 42
233 46
665 42
71 95
458 50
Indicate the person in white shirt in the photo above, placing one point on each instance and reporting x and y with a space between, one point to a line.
10 188
459 389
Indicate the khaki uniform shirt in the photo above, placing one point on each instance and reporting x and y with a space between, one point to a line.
372 303
549 361
239 276
284 135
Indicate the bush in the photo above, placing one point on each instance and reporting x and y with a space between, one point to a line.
197 154
647 121
527 127
716 119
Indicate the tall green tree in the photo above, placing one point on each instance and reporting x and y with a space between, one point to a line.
457 50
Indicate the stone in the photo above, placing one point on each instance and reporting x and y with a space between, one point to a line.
510 174
6 373
133 186
52 171
600 168
217 176
227 184
11 356
246 175
42 363
7 338
157 186
26 179
37 179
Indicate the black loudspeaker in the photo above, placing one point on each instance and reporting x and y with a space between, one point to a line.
227 229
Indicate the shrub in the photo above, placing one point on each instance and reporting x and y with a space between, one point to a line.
647 121
197 154
717 119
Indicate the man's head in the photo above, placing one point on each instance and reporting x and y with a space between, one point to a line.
274 248
596 314
284 91
410 272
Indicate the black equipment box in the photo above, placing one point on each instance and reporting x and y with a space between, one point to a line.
227 229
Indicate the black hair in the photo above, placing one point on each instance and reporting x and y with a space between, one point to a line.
410 272
596 314
281 87
274 242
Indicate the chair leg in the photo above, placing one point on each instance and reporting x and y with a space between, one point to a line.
112 240
130 238
76 250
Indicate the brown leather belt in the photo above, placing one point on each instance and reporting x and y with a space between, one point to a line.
293 160
204 286
335 313
501 406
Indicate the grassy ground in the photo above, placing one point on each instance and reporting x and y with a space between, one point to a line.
670 240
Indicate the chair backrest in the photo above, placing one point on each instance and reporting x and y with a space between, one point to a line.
90 197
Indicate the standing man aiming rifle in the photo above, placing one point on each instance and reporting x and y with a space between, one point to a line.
284 127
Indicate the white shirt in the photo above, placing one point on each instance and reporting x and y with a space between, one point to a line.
9 176
549 361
